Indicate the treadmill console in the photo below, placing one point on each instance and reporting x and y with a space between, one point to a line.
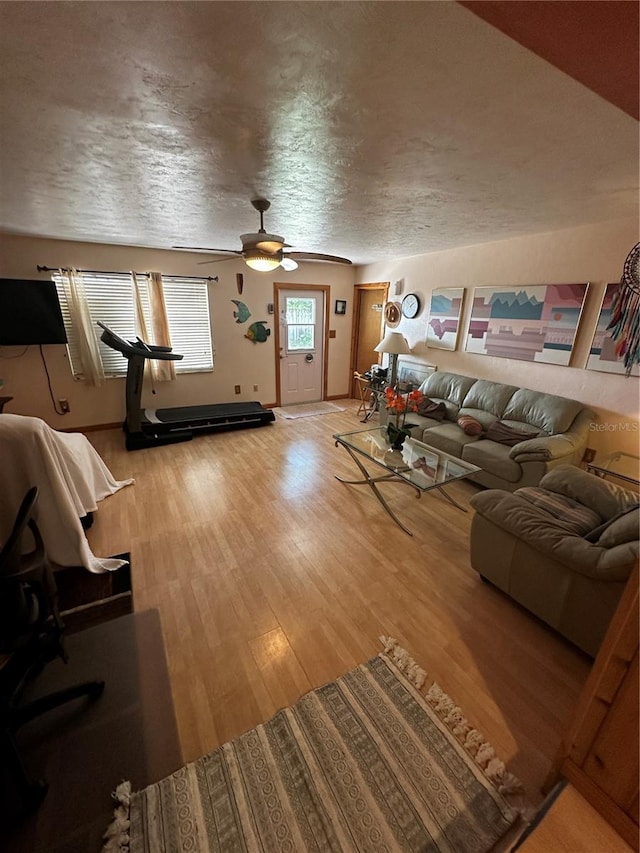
136 348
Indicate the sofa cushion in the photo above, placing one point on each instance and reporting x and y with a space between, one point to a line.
428 408
545 411
491 397
507 434
450 387
576 517
448 437
602 496
469 425
493 457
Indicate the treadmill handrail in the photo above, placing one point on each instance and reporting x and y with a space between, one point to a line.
141 349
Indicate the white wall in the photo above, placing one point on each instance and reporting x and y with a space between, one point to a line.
592 254
238 361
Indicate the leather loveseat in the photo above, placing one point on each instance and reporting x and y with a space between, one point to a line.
564 550
533 431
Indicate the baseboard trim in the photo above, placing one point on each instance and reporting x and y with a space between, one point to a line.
92 427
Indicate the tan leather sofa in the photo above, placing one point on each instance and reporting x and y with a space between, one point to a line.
556 429
564 550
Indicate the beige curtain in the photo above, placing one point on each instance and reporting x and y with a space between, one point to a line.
83 326
158 334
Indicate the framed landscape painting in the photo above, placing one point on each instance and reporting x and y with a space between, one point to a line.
413 372
602 355
531 323
444 317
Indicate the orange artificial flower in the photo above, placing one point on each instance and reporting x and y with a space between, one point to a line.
399 404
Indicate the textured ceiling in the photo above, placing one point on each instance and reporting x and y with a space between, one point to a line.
382 129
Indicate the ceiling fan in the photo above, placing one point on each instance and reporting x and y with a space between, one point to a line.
264 252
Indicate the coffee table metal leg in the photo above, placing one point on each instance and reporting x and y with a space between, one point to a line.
450 499
371 482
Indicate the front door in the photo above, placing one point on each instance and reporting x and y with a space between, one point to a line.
301 346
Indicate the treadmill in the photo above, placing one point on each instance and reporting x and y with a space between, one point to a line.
152 427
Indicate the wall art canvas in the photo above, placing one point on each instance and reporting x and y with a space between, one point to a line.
444 317
531 323
602 355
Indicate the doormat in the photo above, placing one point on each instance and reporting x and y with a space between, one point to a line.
307 410
364 763
86 598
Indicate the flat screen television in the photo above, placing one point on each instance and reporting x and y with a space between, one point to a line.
30 313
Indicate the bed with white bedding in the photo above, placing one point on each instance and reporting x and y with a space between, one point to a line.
71 478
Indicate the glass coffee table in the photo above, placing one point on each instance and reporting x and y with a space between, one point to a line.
418 465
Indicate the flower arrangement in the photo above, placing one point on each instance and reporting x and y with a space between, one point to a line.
399 404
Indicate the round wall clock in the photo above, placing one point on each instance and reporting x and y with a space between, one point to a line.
411 306
392 314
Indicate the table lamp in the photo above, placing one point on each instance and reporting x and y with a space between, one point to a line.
394 344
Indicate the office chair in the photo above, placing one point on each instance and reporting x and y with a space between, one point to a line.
31 633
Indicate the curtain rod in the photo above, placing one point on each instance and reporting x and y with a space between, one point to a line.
116 272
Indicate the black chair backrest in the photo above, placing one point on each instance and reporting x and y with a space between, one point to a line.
22 602
11 550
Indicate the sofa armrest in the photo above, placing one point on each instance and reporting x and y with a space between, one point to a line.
554 447
544 448
548 535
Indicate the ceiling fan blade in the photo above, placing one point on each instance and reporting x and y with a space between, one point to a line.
288 264
214 261
316 256
207 249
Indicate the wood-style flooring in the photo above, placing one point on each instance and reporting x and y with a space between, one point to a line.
271 578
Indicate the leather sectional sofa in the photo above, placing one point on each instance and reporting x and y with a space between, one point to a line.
553 430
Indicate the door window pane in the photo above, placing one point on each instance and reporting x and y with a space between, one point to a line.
301 317
300 337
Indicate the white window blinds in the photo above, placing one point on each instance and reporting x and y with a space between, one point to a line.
111 300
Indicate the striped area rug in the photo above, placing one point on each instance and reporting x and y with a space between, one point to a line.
365 763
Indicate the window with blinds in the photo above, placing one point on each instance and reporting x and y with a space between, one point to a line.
111 300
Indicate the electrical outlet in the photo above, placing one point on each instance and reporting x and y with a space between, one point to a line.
65 408
237 389
589 455
255 387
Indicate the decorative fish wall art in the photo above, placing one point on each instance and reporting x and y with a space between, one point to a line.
242 313
258 332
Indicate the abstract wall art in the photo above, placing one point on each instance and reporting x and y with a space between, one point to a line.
444 317
602 355
531 323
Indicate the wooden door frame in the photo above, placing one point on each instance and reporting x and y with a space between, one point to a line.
279 286
358 290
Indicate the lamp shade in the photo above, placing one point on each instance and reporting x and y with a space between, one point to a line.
393 343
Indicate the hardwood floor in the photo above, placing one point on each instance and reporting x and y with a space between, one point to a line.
271 578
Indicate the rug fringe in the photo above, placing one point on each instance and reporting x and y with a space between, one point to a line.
403 661
451 715
116 838
473 741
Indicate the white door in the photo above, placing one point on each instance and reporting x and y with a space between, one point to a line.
301 346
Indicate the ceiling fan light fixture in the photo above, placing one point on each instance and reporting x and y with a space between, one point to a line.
261 262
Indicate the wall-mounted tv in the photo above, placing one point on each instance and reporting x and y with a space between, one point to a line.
30 313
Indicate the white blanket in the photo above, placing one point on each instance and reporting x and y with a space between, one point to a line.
71 479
